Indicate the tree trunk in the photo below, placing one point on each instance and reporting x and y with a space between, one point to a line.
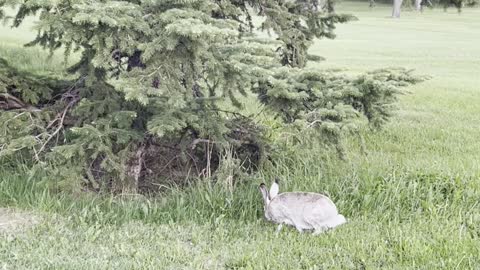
134 171
418 5
397 5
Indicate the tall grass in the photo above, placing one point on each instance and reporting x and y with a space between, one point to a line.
389 194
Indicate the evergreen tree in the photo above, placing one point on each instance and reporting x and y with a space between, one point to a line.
419 4
156 72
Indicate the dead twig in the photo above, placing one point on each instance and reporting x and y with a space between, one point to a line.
74 96
197 141
57 130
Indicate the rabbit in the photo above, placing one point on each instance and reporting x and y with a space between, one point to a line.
303 210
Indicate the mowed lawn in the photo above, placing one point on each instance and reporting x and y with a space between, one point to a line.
438 125
412 199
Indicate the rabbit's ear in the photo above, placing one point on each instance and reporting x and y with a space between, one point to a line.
263 190
274 189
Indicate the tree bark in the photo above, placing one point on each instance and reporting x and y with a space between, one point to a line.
418 5
134 171
397 5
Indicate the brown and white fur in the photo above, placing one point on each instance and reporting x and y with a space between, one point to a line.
302 210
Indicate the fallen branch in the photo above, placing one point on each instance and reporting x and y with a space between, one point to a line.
74 96
10 102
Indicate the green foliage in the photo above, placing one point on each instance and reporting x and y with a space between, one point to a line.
379 91
166 70
331 101
31 89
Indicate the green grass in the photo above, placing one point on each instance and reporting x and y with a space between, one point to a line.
412 201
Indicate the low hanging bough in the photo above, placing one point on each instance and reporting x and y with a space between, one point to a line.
159 86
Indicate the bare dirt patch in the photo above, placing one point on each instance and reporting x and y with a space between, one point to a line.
12 220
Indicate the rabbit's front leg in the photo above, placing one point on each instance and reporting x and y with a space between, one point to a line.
279 228
319 230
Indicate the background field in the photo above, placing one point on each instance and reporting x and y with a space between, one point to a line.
412 199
